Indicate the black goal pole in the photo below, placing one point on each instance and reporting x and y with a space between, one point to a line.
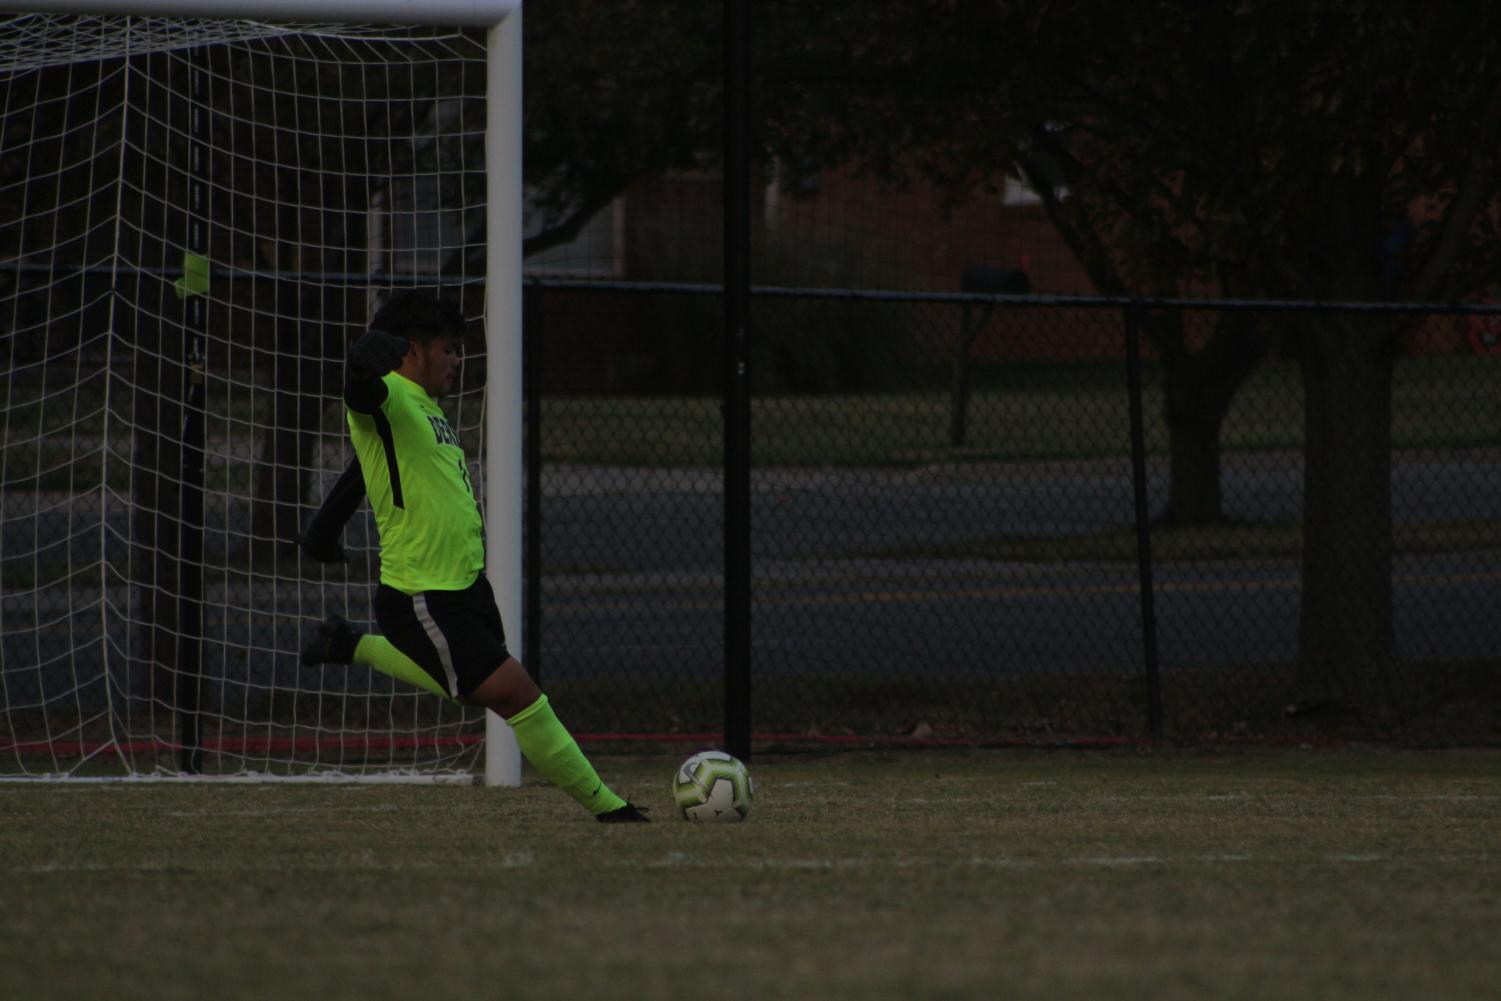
1143 522
531 549
193 289
737 417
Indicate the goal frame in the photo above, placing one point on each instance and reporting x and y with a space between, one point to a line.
503 216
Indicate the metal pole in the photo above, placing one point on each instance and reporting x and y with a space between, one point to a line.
476 13
190 525
531 355
1143 521
737 416
503 364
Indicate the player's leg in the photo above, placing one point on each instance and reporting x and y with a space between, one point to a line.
337 641
507 691
374 650
511 693
458 638
544 740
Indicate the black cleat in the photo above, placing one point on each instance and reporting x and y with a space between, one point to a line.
628 814
333 643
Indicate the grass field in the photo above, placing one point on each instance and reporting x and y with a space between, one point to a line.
1266 874
1017 413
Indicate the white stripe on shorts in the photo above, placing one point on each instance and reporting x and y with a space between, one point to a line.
419 604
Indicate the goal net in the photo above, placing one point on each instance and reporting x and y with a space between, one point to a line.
196 217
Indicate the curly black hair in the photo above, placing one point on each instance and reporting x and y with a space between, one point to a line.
418 315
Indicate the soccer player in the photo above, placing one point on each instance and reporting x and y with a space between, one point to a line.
442 630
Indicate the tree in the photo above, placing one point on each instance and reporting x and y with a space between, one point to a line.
1322 151
614 93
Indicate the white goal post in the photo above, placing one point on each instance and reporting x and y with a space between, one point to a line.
154 468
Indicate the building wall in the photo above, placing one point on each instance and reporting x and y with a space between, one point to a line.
841 230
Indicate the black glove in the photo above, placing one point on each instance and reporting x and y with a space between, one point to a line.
323 548
376 352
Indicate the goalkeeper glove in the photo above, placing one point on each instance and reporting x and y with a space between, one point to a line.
323 548
376 352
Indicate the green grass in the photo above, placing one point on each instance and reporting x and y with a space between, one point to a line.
1348 874
1016 413
1022 412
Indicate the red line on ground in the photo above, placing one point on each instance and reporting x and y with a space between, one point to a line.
245 745
374 743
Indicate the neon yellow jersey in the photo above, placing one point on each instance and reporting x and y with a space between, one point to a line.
431 532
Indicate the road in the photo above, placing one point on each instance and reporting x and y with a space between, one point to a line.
845 580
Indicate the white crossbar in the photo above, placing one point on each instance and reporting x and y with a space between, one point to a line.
480 13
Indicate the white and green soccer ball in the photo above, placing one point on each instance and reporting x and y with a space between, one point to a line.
713 785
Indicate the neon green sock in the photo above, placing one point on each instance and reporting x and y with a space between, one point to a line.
553 752
377 652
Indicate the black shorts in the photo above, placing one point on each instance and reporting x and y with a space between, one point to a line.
456 636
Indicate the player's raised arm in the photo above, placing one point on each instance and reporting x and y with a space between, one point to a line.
371 356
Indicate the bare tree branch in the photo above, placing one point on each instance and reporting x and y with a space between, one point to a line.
1476 188
569 228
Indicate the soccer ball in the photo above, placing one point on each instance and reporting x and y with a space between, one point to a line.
712 785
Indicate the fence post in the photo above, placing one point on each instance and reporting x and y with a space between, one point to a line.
737 567
1143 521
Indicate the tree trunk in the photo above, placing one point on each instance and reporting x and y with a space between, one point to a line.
1198 389
1194 496
969 330
1346 643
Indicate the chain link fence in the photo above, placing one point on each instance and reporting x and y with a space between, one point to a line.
961 527
948 539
